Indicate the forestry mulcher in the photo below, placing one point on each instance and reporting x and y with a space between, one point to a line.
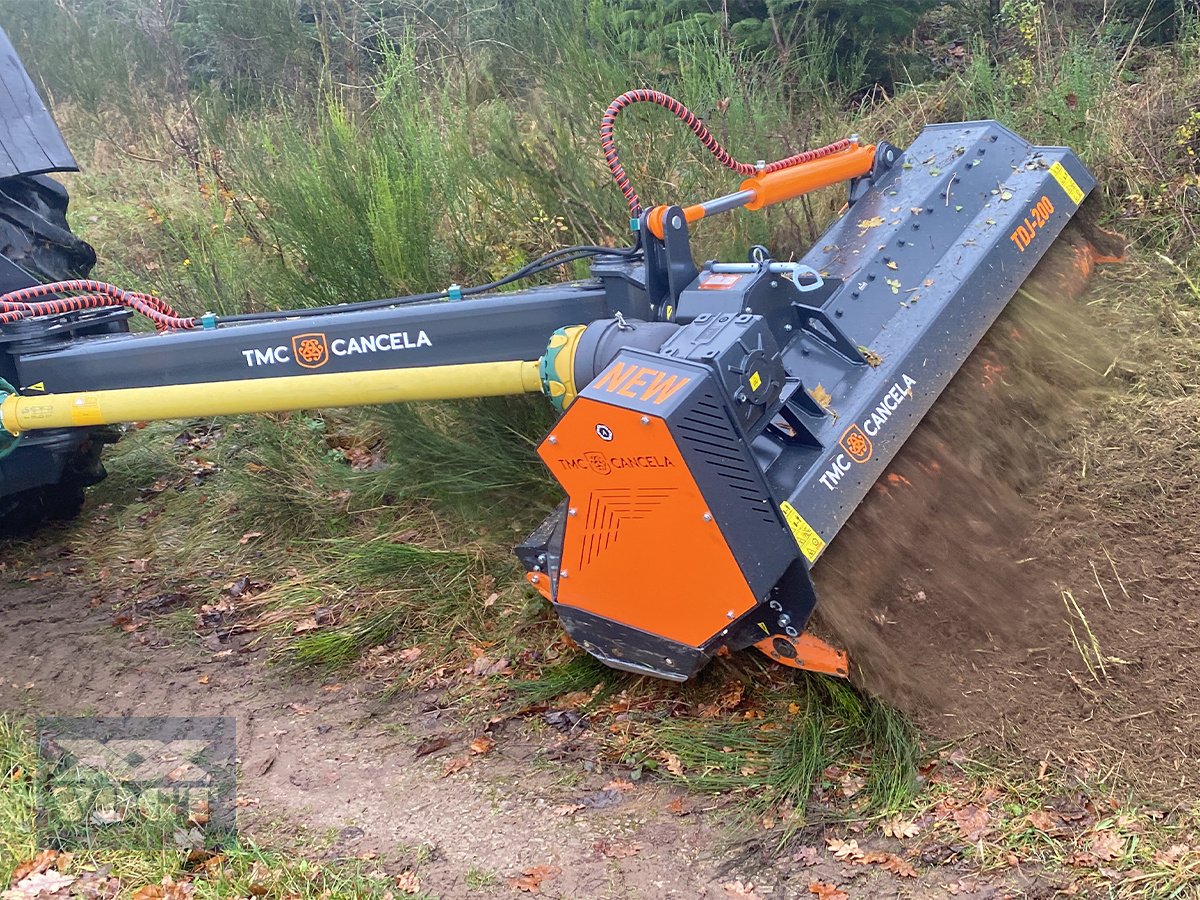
719 421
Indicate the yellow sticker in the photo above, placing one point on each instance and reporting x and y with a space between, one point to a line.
811 544
755 381
1067 183
85 410
40 386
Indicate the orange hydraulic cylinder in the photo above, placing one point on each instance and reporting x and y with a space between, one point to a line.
796 180
766 189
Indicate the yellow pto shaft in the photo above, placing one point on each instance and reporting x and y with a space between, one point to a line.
221 398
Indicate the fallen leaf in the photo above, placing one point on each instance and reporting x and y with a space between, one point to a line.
619 784
807 856
249 536
676 807
897 865
847 851
674 766
1107 845
42 861
408 883
617 849
896 827
308 623
568 809
972 821
1172 855
432 745
203 679
491 600
455 765
38 884
530 880
873 222
482 745
826 891
1040 819
409 654
301 710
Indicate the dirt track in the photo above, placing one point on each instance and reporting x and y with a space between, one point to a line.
335 765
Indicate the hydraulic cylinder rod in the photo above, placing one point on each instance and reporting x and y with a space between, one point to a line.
20 413
770 188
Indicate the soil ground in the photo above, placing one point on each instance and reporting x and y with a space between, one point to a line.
335 767
1025 573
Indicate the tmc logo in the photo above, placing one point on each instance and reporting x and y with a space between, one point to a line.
311 350
856 444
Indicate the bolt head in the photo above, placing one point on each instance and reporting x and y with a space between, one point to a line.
563 574
645 420
707 517
729 615
553 439
571 511
535 579
676 222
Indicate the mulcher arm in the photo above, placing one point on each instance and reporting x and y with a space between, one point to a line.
720 423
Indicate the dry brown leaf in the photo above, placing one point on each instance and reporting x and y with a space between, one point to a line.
455 765
826 891
1107 845
619 784
617 849
676 807
807 856
43 860
408 883
249 536
847 851
301 710
671 761
1172 855
530 880
1040 819
897 865
482 745
491 600
896 827
972 821
203 679
308 623
568 809
39 884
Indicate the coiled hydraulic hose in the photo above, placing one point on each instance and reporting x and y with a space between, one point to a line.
87 294
685 115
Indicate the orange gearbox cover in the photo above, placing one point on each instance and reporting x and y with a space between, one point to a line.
641 546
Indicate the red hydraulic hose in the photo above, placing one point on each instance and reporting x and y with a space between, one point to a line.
685 115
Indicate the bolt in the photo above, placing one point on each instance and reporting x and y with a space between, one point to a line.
542 558
645 420
891 157
729 615
748 309
668 661
676 222
785 620
838 313
535 579
563 574
553 439
787 327
707 517
774 284
571 511
537 568
790 631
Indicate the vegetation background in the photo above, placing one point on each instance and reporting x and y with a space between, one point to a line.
242 155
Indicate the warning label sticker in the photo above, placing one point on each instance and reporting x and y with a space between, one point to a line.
1067 183
719 282
810 543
